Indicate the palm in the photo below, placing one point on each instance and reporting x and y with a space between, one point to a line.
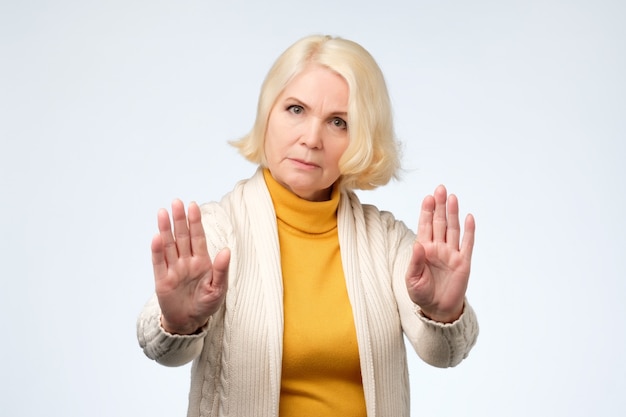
438 273
189 287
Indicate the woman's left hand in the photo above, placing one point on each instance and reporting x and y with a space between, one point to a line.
439 270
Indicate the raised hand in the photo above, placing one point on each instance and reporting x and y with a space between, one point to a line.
189 287
439 270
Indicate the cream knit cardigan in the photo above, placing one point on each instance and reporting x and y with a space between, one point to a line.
236 357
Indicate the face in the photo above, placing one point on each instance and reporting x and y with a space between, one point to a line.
307 133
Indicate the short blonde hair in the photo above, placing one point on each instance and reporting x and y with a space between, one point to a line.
372 158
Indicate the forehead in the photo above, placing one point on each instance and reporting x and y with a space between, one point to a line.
318 83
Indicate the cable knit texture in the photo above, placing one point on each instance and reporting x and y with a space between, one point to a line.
237 356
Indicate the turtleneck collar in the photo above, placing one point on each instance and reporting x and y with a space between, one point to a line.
307 216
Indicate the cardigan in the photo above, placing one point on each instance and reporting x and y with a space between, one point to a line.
236 356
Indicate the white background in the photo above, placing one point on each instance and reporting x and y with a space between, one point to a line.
110 109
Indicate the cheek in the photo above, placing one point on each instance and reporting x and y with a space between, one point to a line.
278 141
269 140
340 149
274 149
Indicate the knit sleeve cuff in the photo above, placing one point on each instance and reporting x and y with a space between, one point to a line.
447 344
166 348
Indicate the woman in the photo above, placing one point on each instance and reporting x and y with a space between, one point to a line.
290 296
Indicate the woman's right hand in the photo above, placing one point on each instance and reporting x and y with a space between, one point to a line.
189 287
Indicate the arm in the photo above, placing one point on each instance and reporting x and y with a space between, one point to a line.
190 288
435 315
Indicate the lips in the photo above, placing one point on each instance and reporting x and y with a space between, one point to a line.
304 163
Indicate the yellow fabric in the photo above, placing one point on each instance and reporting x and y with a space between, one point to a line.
321 373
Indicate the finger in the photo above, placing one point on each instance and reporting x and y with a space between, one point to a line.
418 261
159 265
453 232
196 231
425 223
181 230
467 245
439 216
165 230
220 269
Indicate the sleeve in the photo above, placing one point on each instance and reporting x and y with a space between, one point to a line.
161 346
446 344
438 344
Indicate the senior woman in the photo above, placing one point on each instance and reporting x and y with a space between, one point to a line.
290 296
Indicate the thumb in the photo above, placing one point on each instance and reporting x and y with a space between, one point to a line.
220 267
417 263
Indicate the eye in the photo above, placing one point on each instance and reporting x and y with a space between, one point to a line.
339 122
295 109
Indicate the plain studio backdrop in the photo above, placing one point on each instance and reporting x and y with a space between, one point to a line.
111 109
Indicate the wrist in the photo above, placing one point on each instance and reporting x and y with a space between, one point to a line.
442 316
186 329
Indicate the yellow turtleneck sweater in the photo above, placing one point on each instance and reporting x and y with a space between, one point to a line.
321 372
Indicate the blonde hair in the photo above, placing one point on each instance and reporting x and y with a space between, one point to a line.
372 158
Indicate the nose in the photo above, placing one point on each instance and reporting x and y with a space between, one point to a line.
311 136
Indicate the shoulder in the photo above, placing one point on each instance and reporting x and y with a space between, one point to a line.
353 204
221 211
219 219
371 219
247 203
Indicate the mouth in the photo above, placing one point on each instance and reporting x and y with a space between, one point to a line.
304 164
